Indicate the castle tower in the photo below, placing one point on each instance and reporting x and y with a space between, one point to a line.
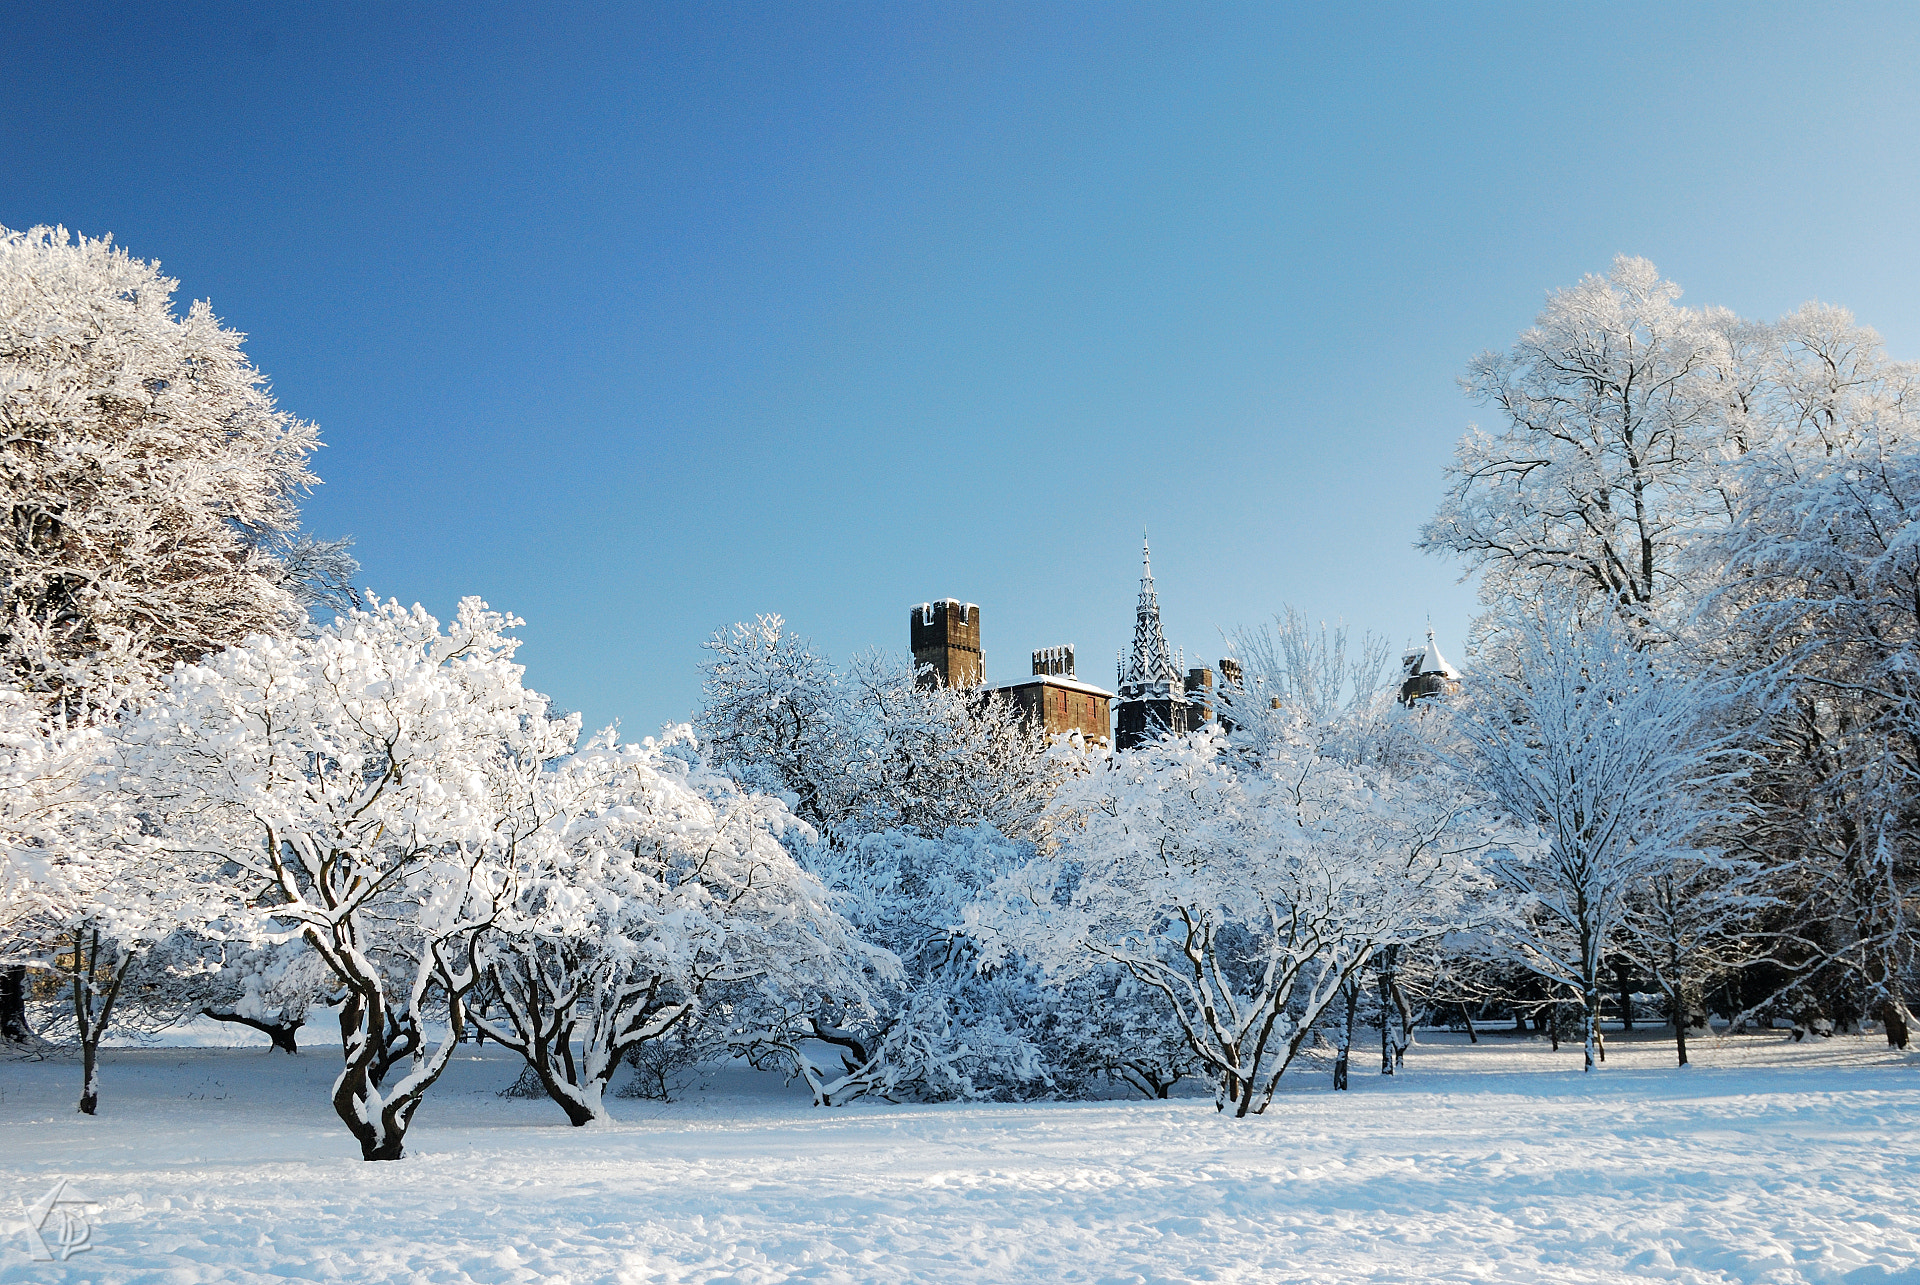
946 637
1153 696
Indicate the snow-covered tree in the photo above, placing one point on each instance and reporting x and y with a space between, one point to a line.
1616 407
1615 761
1106 1025
149 485
921 795
773 713
1294 675
368 785
942 1026
1317 693
85 895
123 903
654 881
43 767
93 915
1691 922
149 481
1246 890
1820 590
1737 492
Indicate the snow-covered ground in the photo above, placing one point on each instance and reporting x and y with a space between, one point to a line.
1768 1161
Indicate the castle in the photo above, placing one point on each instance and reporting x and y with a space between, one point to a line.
1154 698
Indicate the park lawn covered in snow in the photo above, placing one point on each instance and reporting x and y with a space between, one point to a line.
1768 1161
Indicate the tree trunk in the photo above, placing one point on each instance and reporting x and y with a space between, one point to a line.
89 1077
1352 989
1403 1031
1883 976
1626 997
392 1149
1473 1036
1386 1029
1893 1014
1592 1021
374 1040
1679 1003
1391 1008
14 1028
91 1021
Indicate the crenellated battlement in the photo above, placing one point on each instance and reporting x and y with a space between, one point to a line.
946 641
1054 660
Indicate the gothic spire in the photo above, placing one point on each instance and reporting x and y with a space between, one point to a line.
1150 662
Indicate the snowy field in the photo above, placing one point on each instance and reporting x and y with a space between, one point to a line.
1769 1161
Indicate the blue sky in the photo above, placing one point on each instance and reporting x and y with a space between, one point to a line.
639 320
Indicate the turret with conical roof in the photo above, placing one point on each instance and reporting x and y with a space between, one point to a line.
1426 673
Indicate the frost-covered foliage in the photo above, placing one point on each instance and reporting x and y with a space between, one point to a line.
944 1026
1741 494
149 481
80 896
1108 1026
84 890
1320 689
379 815
149 484
44 769
1821 591
1605 462
1225 889
225 971
774 715
866 750
1618 764
921 795
927 1017
368 786
654 882
1244 882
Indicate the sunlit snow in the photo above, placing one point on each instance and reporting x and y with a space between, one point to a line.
1769 1161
